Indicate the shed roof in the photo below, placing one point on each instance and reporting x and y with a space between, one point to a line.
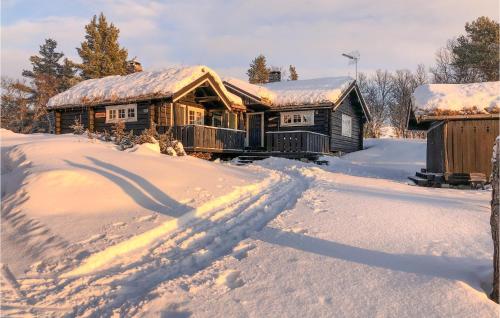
438 100
139 86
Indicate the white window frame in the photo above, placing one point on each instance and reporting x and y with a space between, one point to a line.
346 125
113 113
196 110
297 118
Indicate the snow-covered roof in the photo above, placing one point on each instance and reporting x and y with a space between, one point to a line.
308 92
256 90
136 86
456 99
296 93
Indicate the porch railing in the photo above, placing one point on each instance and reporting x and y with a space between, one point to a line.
297 141
210 139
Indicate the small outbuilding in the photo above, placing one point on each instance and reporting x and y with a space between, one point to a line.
462 122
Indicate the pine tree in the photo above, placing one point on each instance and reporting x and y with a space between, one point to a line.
472 57
49 76
258 73
100 52
293 73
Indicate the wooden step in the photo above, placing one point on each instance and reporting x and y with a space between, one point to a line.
419 181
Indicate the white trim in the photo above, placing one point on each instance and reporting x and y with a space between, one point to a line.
116 110
302 115
196 110
247 140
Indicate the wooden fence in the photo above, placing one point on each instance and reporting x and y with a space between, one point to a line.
210 139
297 141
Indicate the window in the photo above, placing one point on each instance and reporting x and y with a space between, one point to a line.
346 125
299 118
126 113
195 116
112 114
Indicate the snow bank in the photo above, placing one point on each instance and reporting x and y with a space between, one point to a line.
136 86
300 92
59 191
457 99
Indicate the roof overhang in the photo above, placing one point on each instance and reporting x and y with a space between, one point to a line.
424 122
354 87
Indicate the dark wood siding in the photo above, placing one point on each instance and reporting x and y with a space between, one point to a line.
343 143
272 122
137 126
68 117
435 148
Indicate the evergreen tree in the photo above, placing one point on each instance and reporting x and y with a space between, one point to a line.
100 52
293 73
472 57
258 73
49 76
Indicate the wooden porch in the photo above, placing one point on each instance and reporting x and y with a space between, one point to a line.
231 142
200 138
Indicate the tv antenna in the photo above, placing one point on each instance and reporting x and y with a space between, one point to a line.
353 59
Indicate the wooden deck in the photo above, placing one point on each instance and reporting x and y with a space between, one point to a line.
298 141
199 138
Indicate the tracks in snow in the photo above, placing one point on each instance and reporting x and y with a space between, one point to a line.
115 280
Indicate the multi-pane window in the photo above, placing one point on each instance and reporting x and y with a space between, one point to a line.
112 114
298 118
195 116
124 113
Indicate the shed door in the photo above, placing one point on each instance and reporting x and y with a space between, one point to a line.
255 130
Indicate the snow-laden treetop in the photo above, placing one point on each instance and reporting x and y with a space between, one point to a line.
136 86
300 92
456 99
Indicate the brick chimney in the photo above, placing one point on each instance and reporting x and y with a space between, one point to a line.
133 66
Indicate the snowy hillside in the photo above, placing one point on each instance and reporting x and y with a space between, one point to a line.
88 230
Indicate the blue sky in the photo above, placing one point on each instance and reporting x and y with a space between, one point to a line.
226 35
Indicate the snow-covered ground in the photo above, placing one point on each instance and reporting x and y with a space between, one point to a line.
88 230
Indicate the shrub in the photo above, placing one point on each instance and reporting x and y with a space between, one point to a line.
77 127
118 131
148 136
127 141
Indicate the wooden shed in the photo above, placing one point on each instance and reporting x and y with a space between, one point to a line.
460 131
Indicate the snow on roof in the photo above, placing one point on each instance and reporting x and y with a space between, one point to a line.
457 99
256 90
300 92
140 85
311 91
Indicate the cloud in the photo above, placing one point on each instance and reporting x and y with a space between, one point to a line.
226 35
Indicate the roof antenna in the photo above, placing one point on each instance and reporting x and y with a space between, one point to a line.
353 59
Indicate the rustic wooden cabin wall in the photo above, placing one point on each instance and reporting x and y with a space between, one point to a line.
68 117
339 140
272 121
143 119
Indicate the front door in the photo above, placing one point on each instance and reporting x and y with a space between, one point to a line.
255 130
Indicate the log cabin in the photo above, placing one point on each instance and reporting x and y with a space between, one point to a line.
192 100
321 115
462 123
297 119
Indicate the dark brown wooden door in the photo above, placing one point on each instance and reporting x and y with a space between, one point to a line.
255 131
